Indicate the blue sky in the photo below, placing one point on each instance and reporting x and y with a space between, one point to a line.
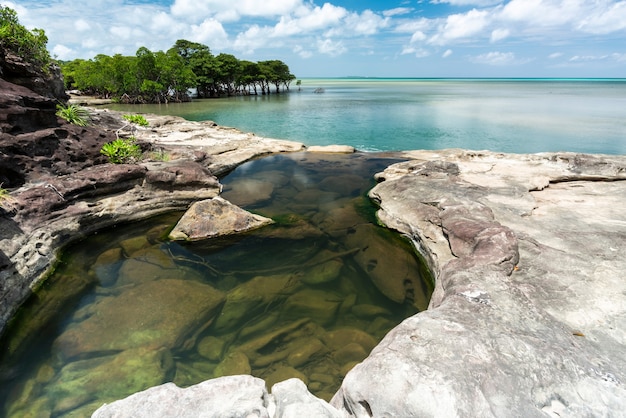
436 38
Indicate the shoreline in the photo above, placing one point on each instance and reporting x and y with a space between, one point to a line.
504 234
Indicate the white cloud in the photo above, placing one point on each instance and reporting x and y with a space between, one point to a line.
210 32
303 53
605 20
555 55
495 58
229 10
478 3
82 25
62 52
366 23
318 18
461 26
499 34
447 53
328 47
397 11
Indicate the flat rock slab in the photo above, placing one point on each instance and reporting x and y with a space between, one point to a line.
214 218
160 313
529 314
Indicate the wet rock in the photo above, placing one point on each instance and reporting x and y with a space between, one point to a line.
340 338
234 363
110 377
107 266
132 245
161 313
284 373
319 305
369 311
350 353
253 296
393 270
214 218
243 396
211 347
304 350
151 264
325 272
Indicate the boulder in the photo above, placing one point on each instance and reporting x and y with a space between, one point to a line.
214 218
230 396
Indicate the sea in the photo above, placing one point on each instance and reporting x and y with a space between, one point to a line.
385 114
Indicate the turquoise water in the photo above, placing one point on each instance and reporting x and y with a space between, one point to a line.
515 115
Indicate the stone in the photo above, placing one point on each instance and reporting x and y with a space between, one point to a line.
393 271
151 264
215 218
304 350
161 313
341 337
251 297
234 363
292 399
284 373
110 377
107 266
241 396
319 305
211 347
524 251
339 149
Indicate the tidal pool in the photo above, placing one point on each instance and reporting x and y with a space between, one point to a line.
307 297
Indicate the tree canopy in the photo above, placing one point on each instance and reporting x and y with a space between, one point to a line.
30 45
159 77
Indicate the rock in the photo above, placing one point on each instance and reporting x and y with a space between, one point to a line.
525 318
304 350
111 377
393 270
214 218
241 396
151 264
132 245
350 353
321 306
284 373
341 337
369 311
211 347
293 399
107 266
160 313
234 363
338 149
253 296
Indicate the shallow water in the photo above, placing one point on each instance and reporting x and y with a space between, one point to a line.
307 297
520 116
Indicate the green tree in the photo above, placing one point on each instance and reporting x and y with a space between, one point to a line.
16 39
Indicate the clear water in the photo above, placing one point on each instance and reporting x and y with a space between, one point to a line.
307 297
520 116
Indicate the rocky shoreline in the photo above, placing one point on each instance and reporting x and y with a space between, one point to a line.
528 317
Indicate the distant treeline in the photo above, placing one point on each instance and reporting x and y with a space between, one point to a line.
161 77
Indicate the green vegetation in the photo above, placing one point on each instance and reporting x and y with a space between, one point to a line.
132 122
161 77
16 39
74 114
122 151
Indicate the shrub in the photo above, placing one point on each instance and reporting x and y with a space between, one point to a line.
122 151
136 119
15 38
74 114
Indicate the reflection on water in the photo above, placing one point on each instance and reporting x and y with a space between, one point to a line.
308 297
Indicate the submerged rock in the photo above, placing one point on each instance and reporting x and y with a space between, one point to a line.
214 218
160 313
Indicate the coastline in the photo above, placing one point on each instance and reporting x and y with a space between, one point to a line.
509 238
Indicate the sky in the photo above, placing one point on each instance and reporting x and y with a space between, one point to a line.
338 38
